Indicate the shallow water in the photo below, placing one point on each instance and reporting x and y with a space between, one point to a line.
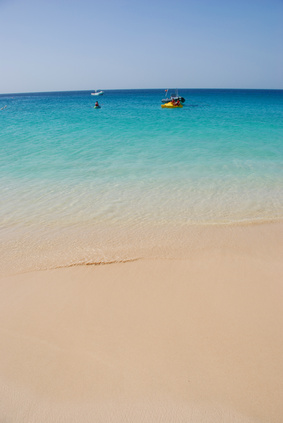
77 183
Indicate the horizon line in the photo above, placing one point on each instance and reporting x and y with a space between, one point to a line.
140 89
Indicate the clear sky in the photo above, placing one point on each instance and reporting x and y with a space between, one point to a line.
54 45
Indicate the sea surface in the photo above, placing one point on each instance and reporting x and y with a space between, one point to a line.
84 185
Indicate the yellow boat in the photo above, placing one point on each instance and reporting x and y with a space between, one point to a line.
170 105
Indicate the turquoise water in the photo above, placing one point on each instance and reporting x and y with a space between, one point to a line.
82 182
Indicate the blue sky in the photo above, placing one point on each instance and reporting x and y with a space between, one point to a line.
54 45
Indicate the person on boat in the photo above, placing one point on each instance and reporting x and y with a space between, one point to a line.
178 103
96 104
173 102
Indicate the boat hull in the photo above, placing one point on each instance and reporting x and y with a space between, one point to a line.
98 93
170 105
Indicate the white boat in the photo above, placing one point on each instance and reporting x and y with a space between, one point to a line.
97 93
175 97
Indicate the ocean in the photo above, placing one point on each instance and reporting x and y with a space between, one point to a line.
81 185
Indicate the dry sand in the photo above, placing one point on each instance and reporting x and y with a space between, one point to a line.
197 340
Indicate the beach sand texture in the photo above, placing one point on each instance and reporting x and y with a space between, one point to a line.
195 340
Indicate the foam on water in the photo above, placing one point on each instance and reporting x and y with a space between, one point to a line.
75 178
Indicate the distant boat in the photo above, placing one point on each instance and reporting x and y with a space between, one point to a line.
175 97
97 93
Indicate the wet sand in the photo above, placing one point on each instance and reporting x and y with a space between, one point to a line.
196 340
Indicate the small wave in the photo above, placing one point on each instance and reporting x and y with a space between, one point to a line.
95 263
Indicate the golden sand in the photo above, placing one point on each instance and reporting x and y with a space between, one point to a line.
195 340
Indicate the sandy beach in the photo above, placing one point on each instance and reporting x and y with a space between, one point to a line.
195 340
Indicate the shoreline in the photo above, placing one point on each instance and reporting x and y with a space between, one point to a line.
113 244
192 339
